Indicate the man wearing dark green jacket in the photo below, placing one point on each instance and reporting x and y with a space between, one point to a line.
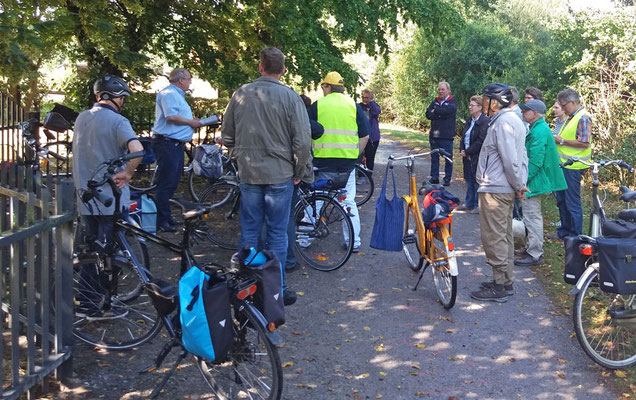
544 176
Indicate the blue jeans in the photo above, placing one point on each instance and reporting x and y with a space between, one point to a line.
472 200
569 203
169 156
268 206
446 144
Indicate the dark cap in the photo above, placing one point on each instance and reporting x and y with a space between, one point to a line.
534 105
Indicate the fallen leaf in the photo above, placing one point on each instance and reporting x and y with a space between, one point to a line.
379 348
336 348
444 318
378 396
416 366
468 381
454 358
362 376
560 374
347 340
420 393
415 373
330 389
382 373
300 293
620 374
420 346
533 294
331 312
366 328
449 331
321 258
605 373
287 364
562 361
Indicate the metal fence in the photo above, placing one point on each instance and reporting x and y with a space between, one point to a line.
36 278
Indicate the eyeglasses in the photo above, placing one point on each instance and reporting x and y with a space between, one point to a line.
366 97
564 104
474 105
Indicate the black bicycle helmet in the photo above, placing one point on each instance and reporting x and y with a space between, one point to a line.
110 87
500 92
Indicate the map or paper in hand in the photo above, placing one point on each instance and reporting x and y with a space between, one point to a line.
214 119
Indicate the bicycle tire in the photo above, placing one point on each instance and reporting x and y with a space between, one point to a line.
445 282
252 369
608 341
144 178
364 187
320 236
410 244
222 225
136 323
198 184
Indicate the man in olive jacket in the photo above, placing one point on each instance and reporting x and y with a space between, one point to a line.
544 176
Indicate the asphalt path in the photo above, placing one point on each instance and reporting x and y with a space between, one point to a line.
361 332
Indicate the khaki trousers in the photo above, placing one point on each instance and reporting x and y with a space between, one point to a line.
495 219
533 219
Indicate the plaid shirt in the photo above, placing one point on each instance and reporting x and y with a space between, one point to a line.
584 128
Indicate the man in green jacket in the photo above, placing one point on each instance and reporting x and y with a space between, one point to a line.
544 176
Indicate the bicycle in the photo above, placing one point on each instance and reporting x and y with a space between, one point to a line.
364 184
324 232
433 245
605 323
252 366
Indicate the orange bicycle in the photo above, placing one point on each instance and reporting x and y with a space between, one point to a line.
432 243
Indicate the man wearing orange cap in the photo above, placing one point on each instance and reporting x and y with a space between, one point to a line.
346 135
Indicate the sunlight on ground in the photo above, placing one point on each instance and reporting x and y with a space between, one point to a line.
395 127
364 303
386 362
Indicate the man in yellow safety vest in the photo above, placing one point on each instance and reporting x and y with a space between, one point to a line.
346 135
572 140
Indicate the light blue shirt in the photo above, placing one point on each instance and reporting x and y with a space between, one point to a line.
171 101
467 134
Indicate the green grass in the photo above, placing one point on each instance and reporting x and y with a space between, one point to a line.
550 274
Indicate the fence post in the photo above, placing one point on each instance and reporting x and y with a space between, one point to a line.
65 196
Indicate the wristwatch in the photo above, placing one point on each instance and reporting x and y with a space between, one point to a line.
561 143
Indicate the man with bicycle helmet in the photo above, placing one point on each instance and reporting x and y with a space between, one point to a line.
502 172
101 134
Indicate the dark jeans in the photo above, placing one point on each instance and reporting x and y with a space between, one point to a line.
569 203
472 200
369 153
266 206
446 144
169 156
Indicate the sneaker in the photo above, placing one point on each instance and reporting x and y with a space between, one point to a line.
528 261
446 183
490 294
433 181
464 208
490 285
474 211
289 297
355 249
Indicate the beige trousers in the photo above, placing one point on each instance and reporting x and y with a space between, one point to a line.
533 219
495 220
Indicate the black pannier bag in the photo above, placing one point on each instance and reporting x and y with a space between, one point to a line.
620 229
575 262
617 265
269 296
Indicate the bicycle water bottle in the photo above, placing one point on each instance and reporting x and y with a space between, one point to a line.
255 258
148 214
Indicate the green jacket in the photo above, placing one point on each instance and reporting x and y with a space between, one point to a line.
544 173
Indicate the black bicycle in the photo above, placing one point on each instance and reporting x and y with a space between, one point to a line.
250 369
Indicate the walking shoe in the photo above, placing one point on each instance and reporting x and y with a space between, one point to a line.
446 183
520 252
433 181
290 268
491 294
553 236
474 211
528 261
464 208
289 297
491 284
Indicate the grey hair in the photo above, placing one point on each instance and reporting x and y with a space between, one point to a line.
337 88
272 60
515 94
445 83
178 73
567 95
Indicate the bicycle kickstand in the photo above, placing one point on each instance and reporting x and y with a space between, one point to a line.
167 348
421 275
168 374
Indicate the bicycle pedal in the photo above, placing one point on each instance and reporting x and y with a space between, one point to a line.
409 239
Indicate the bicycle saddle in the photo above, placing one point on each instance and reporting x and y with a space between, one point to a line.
628 195
627 215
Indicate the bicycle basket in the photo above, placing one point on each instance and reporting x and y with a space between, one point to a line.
617 265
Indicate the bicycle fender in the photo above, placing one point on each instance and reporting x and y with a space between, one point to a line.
589 271
274 337
452 263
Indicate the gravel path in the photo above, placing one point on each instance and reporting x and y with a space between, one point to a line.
361 333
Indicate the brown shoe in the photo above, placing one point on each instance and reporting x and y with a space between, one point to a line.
497 293
464 208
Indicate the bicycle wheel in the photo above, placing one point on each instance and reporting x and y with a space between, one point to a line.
143 179
252 369
364 185
223 227
444 261
410 245
605 325
321 225
130 321
198 184
130 291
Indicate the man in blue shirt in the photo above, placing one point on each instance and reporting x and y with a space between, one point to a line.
173 127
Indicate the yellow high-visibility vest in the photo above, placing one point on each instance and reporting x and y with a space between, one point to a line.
337 114
568 132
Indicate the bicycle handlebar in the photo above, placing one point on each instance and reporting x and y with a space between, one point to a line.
602 163
111 164
441 152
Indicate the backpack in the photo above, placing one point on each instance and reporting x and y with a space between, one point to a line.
205 315
207 161
437 206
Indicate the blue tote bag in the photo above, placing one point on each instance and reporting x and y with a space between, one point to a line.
388 227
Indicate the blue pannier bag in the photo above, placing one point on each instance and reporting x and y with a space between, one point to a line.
388 227
206 320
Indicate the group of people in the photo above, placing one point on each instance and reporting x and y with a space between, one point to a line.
274 137
511 154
